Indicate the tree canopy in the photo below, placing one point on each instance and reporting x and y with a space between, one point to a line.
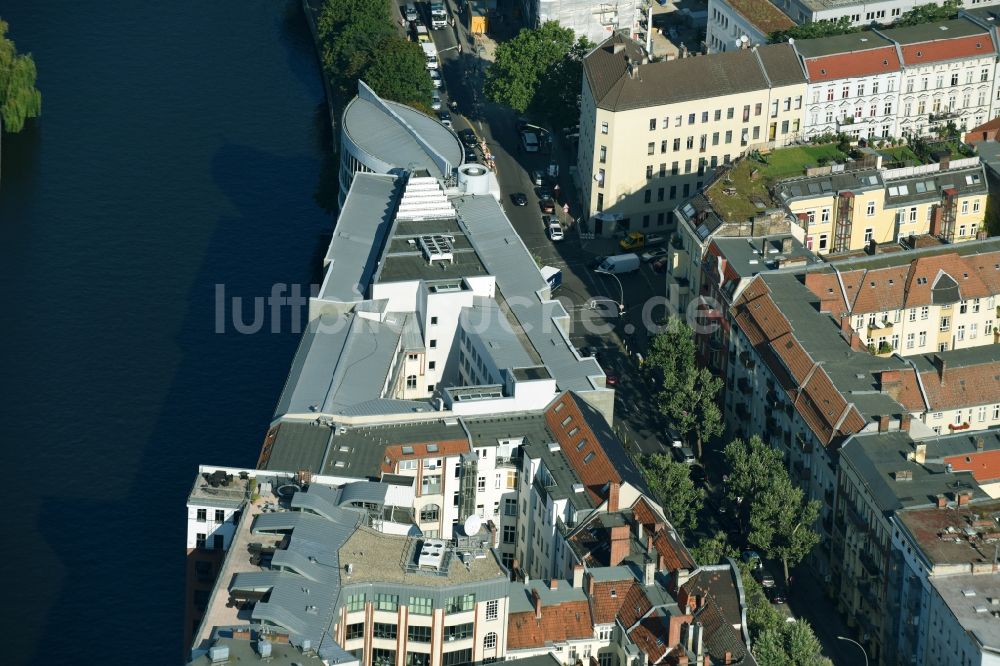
814 29
929 13
687 393
772 510
541 70
713 549
19 99
672 488
397 72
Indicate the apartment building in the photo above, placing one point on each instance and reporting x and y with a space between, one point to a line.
859 13
847 210
949 75
853 85
737 24
595 21
652 134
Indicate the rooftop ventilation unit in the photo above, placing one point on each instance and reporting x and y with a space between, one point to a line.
218 654
431 554
437 248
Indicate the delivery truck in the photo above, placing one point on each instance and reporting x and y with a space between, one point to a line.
619 263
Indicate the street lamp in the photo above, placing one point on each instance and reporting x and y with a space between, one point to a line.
621 289
860 646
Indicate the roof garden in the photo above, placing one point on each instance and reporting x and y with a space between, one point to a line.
744 190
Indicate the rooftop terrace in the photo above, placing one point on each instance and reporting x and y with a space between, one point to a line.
955 535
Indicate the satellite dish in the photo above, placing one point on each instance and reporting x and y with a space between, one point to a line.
744 39
472 525
791 40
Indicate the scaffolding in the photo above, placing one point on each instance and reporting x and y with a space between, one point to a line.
949 210
844 222
467 486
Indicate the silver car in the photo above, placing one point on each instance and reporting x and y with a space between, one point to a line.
435 100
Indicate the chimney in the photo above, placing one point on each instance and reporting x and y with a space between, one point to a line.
677 622
578 576
920 454
883 423
554 584
682 659
649 542
786 244
661 562
649 572
589 578
538 604
964 497
941 366
617 47
942 501
620 539
979 443
613 489
904 422
699 640
683 598
683 575
638 531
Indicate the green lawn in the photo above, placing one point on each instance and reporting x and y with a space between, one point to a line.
900 154
751 179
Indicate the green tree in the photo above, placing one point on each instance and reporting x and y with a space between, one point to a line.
930 13
992 216
687 393
713 549
523 64
397 72
802 646
769 648
350 33
781 521
671 485
558 101
19 99
841 26
751 466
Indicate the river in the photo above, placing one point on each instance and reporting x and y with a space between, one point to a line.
180 147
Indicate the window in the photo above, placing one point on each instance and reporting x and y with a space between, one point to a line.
431 484
730 113
649 172
687 166
386 602
490 640
430 512
729 136
650 147
420 606
460 604
457 632
412 357
677 144
973 331
954 79
975 206
659 194
202 515
922 339
673 192
412 658
492 609
868 234
418 634
663 146
604 154
604 128
963 307
895 341
600 177
945 324
457 657
960 332
911 314
220 516
355 631
925 312
199 540
718 115
355 602
431 365
434 344
384 630
600 197
823 241
411 381
913 214
687 190
888 108
652 124
910 340
690 142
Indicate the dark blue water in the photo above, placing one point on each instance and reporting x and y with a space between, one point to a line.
180 147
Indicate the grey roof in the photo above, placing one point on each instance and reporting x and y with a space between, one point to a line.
781 64
304 580
877 457
838 44
342 366
809 187
958 358
989 155
362 226
358 452
521 595
371 126
246 651
298 446
508 346
672 81
364 492
866 262
404 261
981 625
743 254
928 187
232 495
927 32
962 442
509 260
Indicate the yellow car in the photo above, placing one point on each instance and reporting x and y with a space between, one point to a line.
633 241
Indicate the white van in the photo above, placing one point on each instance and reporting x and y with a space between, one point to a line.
410 12
430 54
620 263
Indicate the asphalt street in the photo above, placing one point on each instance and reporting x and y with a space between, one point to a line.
615 340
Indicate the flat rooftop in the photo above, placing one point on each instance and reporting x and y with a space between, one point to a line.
759 254
211 492
762 14
955 535
387 559
970 599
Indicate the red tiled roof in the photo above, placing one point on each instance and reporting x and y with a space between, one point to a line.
645 514
595 471
628 603
901 386
795 358
963 386
394 453
852 64
560 622
984 465
673 551
972 46
651 637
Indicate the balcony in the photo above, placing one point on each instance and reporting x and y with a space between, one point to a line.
878 328
870 565
856 518
747 360
944 116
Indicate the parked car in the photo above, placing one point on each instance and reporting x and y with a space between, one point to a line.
470 155
590 352
435 78
538 177
610 379
445 118
554 230
619 263
519 199
655 239
653 255
529 142
544 192
752 557
633 241
775 594
547 205
435 100
685 455
765 579
697 474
